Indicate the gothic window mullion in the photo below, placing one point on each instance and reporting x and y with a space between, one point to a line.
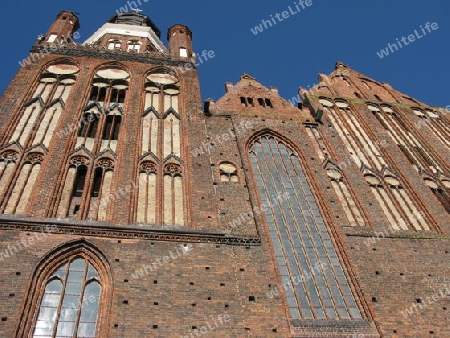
86 195
315 297
290 251
362 138
171 135
161 100
440 131
160 148
326 294
294 231
54 89
80 301
61 299
172 188
160 192
260 168
52 111
98 137
28 130
392 203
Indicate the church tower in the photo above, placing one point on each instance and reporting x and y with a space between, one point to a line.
63 28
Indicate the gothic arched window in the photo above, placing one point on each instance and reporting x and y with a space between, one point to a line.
315 283
100 124
69 294
41 114
75 203
160 197
70 303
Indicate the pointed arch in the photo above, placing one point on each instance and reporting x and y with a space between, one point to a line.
316 285
88 314
266 132
160 199
39 116
113 65
67 61
101 120
74 184
148 190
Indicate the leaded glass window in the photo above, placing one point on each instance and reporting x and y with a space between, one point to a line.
315 283
69 306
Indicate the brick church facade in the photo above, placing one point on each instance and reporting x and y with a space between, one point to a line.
129 208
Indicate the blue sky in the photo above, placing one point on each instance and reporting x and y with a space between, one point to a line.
287 55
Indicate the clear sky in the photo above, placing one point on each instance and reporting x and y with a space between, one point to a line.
288 55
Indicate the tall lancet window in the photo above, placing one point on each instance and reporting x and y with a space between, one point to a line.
161 152
87 189
41 114
396 199
99 127
315 283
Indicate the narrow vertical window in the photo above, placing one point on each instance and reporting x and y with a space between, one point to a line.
23 188
80 180
160 198
8 163
96 186
112 126
89 125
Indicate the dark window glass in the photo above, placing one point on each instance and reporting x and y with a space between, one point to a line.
122 94
108 127
79 181
102 94
94 93
112 126
115 133
93 125
98 175
114 96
